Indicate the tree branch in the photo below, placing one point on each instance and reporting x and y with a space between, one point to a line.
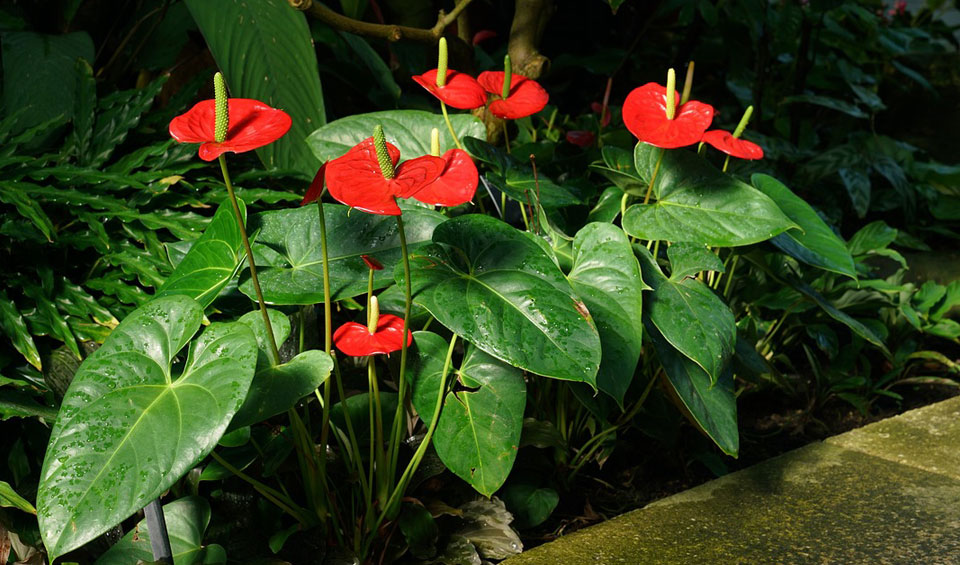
382 31
529 22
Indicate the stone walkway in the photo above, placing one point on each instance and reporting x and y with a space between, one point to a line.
885 493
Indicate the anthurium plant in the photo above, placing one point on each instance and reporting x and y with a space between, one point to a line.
439 300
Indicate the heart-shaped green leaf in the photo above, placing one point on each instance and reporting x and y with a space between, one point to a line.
290 261
213 259
409 130
530 503
128 428
712 406
698 203
187 518
690 317
266 53
687 259
478 433
814 243
619 169
275 390
607 277
499 289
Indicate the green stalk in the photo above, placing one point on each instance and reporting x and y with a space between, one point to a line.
446 118
395 438
414 463
253 268
653 179
274 496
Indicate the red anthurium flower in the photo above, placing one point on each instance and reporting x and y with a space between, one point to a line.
356 179
598 109
253 124
455 185
316 187
645 115
581 138
483 35
356 340
461 90
372 263
735 147
526 97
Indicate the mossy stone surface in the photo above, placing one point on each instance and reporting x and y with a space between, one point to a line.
819 504
927 438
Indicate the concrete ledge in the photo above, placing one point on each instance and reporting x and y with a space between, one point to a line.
872 502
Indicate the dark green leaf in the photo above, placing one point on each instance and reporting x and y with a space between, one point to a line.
186 518
409 130
121 112
607 277
213 259
814 243
127 425
698 203
607 207
619 168
855 325
711 406
872 237
381 72
43 70
498 288
531 505
10 499
478 434
419 530
857 184
266 53
12 324
12 193
17 404
275 390
289 254
847 108
688 259
690 317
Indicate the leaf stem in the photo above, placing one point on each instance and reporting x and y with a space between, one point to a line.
398 419
653 178
414 463
253 268
274 496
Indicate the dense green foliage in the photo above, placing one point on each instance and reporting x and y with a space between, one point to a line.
597 302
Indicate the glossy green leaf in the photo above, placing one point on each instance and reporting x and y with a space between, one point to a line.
619 168
275 390
128 428
687 259
529 503
119 113
514 177
419 530
855 325
11 193
187 518
281 331
712 406
358 407
409 130
500 290
18 404
10 499
814 243
289 254
374 63
265 51
698 203
607 207
12 324
857 184
690 317
213 259
606 276
847 108
478 434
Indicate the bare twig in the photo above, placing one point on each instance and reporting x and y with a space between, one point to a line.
384 31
